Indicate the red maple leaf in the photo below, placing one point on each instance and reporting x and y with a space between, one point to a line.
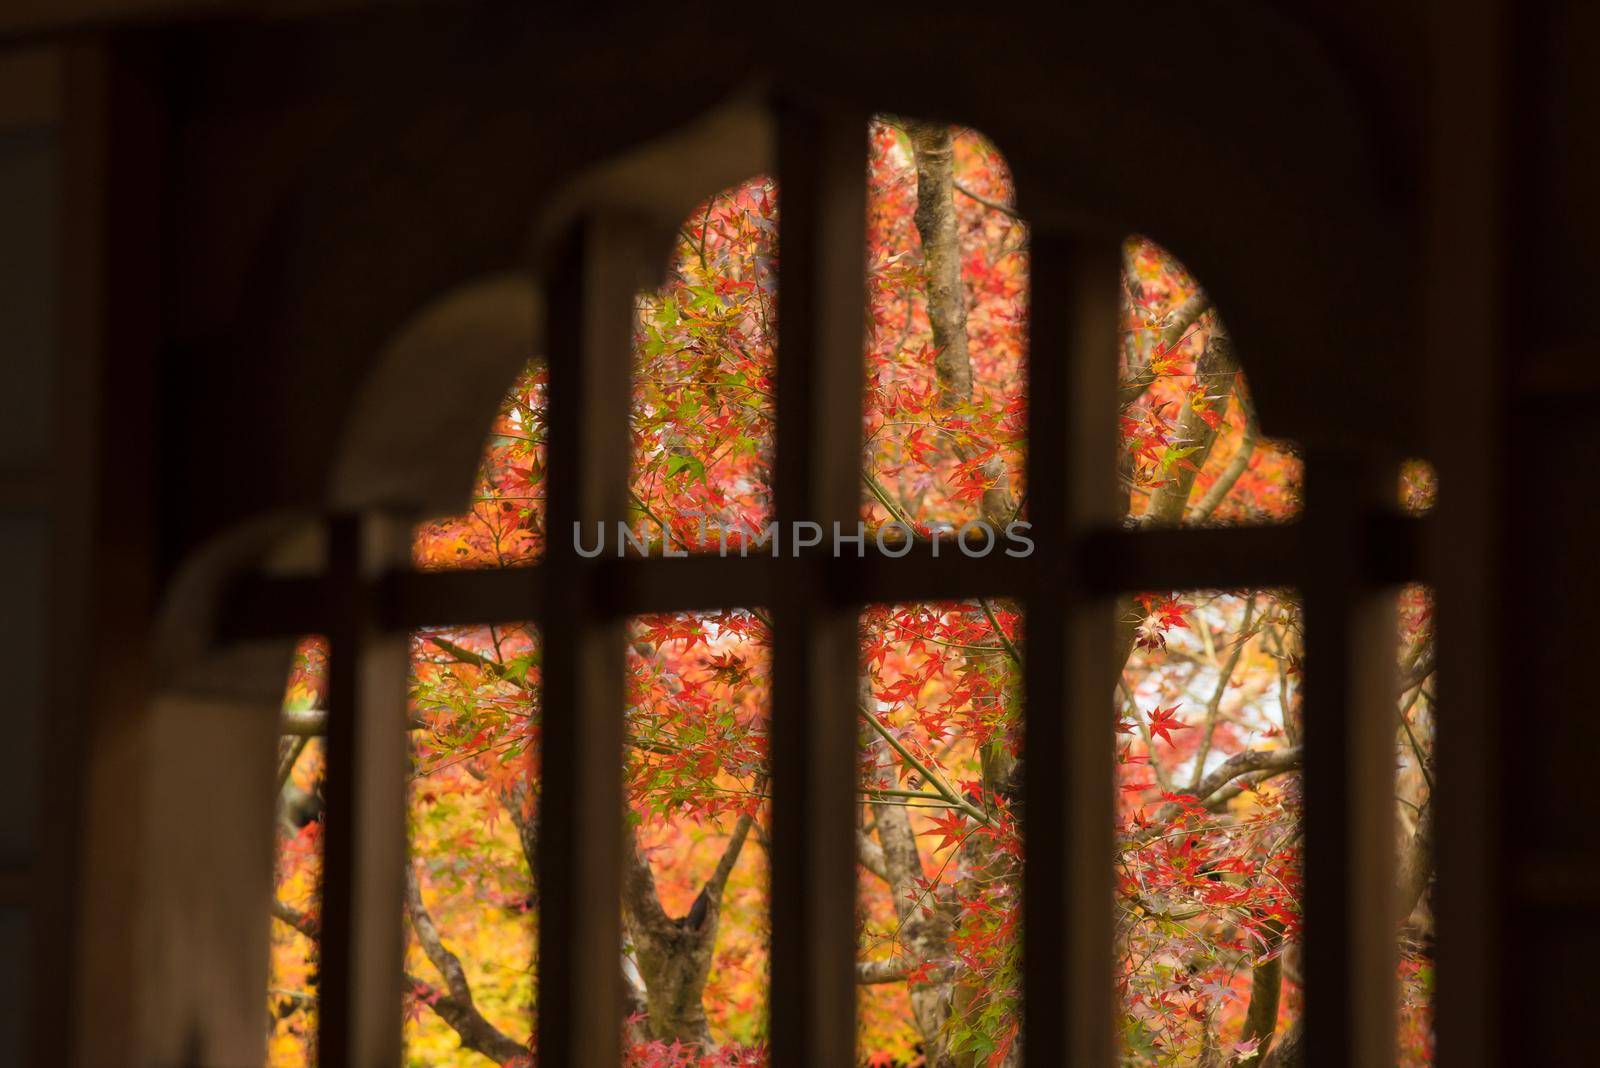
951 829
1169 612
1163 721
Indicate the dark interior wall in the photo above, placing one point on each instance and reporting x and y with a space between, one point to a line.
332 178
29 388
324 177
332 175
1555 272
1552 841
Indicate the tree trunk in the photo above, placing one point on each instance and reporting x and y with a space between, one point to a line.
937 228
1290 1052
935 219
923 937
1215 372
674 954
1266 990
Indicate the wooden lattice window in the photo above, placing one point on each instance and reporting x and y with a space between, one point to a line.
1344 555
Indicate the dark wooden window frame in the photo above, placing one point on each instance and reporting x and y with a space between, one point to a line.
1345 555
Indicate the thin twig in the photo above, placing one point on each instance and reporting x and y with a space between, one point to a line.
992 205
928 774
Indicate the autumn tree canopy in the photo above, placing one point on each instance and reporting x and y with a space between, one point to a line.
1204 692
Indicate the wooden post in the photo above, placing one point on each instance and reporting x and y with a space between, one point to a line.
364 839
590 297
1475 104
822 170
1349 776
1068 737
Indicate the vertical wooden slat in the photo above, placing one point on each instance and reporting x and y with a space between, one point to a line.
1477 115
1067 886
104 534
334 963
1349 777
590 300
364 840
822 170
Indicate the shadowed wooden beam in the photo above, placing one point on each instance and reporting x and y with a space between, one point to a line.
822 161
1104 559
1067 628
601 264
1350 642
364 858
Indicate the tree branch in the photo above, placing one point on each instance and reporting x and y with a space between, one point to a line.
1289 1052
296 919
456 1007
463 655
1278 760
1215 704
1237 465
289 750
1010 647
1266 762
870 855
1182 318
313 723
639 885
1219 800
928 774
730 856
1266 988
1215 372
1416 865
893 970
992 205
1417 672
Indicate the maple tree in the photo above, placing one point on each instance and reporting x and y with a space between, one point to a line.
1206 684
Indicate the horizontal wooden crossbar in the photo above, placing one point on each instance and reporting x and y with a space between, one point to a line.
1106 562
